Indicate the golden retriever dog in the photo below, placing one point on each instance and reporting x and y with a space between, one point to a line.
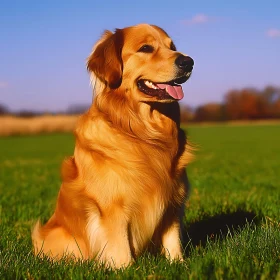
123 191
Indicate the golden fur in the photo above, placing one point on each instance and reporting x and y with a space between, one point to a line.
123 191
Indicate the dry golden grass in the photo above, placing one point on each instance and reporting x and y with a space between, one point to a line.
10 125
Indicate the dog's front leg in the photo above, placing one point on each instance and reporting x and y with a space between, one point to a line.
171 238
112 238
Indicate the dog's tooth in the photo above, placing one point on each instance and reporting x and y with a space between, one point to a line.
150 84
147 83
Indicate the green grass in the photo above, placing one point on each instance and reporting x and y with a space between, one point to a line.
232 216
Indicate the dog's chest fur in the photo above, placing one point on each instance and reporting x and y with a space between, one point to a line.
121 175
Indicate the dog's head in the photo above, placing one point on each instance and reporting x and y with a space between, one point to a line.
143 61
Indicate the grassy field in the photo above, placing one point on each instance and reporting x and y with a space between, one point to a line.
232 225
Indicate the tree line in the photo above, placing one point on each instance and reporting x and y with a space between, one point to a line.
243 104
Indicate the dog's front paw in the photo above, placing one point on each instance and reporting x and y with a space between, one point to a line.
116 261
174 254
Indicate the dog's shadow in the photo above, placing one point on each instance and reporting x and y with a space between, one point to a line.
216 227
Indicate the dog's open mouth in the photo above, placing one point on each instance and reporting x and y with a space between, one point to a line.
169 90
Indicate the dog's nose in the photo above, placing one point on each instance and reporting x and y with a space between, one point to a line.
184 62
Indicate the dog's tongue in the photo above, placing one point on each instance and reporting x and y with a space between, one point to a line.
175 91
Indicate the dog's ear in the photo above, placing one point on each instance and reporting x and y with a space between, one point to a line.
105 61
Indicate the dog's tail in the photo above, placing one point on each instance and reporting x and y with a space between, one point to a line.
37 239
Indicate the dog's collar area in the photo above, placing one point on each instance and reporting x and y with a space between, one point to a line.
171 90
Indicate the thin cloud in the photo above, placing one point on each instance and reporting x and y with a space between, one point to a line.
3 84
197 19
273 33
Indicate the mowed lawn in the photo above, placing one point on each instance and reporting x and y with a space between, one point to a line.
232 225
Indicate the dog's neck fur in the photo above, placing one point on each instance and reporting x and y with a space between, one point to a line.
141 120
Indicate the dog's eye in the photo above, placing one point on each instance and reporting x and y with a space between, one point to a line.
146 49
172 47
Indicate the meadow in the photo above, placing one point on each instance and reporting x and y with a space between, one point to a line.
232 221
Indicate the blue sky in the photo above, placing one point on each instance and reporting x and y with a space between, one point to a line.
44 45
